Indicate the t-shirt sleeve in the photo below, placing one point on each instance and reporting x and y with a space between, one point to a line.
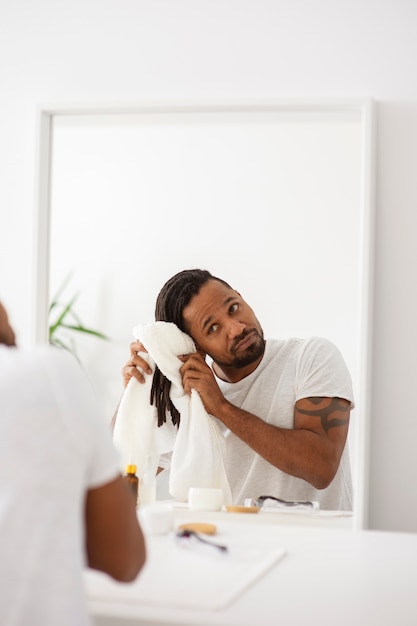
90 435
322 371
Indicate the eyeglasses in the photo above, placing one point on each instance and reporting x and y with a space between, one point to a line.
264 501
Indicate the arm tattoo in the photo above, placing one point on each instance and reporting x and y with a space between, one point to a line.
325 412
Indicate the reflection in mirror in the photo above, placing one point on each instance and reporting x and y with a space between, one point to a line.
275 199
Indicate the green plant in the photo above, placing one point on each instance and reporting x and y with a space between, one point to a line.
64 321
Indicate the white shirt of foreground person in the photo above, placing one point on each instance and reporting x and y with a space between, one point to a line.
53 448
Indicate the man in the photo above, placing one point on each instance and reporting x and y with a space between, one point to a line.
63 502
284 405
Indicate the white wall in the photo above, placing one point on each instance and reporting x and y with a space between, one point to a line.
117 50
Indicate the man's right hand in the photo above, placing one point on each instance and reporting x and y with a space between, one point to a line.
130 369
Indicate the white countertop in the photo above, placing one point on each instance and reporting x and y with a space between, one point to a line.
281 574
292 517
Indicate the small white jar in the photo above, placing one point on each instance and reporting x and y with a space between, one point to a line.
205 499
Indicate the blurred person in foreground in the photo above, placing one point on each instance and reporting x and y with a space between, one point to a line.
63 503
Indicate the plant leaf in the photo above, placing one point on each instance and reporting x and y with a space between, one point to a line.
59 321
56 297
82 329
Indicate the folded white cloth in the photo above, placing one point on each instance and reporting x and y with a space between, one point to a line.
198 445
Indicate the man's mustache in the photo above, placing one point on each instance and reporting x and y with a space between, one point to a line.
242 336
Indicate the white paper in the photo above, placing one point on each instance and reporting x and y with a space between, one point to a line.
181 573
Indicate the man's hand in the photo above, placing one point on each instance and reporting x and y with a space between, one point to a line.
130 369
196 374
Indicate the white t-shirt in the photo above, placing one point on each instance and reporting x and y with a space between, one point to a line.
289 371
53 447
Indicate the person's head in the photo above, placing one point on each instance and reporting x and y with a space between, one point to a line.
177 292
219 320
7 336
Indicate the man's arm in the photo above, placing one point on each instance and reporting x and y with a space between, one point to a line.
114 539
311 450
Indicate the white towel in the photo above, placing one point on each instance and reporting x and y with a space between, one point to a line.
198 445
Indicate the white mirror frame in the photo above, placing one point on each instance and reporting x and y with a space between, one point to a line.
363 107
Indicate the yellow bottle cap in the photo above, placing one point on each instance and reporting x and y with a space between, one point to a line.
131 469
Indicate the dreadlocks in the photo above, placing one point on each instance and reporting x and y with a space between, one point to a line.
174 296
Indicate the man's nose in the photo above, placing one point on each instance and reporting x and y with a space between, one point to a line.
235 328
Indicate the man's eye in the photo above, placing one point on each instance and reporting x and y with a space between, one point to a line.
212 328
234 308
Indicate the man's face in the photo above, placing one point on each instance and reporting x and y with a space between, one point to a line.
7 336
224 326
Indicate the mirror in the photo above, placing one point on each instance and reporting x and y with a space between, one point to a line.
276 198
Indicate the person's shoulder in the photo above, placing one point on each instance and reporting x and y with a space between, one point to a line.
317 347
39 363
47 356
274 345
318 342
24 356
286 346
300 347
280 348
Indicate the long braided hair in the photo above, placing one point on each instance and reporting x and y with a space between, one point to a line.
174 296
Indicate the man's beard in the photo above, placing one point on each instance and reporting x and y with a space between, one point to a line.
251 354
